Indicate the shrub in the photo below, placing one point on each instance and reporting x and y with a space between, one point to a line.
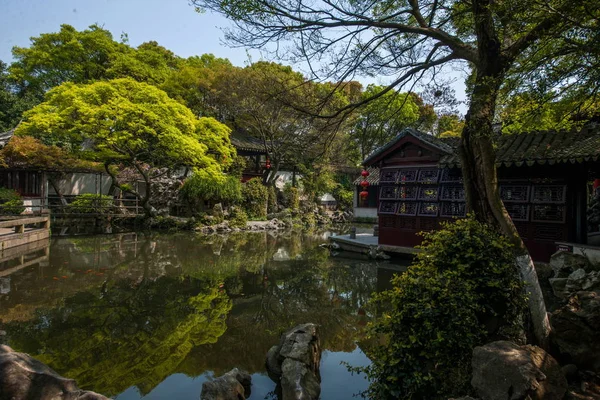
238 218
255 196
90 203
272 199
440 309
292 196
10 202
343 197
207 185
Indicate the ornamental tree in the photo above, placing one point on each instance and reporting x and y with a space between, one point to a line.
124 123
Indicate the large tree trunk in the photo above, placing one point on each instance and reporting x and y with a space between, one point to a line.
52 180
478 160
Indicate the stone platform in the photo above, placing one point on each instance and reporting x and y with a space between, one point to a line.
365 243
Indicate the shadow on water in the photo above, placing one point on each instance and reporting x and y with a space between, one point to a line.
155 315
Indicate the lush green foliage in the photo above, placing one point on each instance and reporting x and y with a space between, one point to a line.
255 196
291 196
237 217
272 199
344 197
10 202
90 203
203 185
463 289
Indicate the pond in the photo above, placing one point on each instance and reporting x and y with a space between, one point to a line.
153 316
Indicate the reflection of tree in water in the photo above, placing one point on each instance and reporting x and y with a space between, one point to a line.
126 335
161 311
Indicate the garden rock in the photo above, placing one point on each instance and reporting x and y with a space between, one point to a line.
23 377
580 280
503 370
558 287
576 330
294 364
234 385
564 263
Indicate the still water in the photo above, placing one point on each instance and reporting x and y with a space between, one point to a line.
153 316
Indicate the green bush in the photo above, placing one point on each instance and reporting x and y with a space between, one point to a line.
10 202
90 203
204 185
344 197
255 196
238 218
462 291
292 197
272 199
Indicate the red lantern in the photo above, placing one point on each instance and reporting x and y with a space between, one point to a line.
268 164
364 194
364 184
365 173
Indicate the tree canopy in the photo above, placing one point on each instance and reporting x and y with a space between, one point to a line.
124 122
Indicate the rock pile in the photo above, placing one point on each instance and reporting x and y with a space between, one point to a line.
234 385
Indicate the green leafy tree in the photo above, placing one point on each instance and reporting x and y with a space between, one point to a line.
12 103
380 120
67 55
503 43
127 123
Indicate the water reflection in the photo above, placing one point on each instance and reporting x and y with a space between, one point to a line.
134 315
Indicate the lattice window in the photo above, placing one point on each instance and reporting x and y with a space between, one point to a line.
451 175
428 209
387 207
428 193
407 208
388 192
429 175
407 192
388 176
548 213
514 193
549 232
388 221
407 223
428 224
549 194
453 209
407 175
518 212
452 193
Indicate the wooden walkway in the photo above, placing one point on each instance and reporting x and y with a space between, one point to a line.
22 231
363 243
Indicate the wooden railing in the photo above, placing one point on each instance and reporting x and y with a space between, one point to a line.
21 231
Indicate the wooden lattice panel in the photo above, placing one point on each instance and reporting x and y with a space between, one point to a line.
554 213
407 208
387 207
449 209
453 193
407 192
407 223
407 175
388 175
549 194
429 193
429 209
429 175
514 193
517 211
549 232
388 221
450 175
388 192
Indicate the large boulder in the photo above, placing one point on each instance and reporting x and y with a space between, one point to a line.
23 378
294 364
576 331
234 385
581 280
564 263
503 370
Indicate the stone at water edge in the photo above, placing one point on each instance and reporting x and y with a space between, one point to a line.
576 331
294 363
503 370
234 385
22 377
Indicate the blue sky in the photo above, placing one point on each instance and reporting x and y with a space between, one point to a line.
172 23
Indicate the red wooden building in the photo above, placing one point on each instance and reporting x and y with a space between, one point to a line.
543 178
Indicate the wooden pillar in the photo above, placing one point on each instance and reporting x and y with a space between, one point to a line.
580 203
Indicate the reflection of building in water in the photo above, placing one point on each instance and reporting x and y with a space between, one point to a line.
5 285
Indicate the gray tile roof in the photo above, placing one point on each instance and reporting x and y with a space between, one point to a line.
5 137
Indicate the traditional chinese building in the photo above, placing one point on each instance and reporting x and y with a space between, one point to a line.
544 180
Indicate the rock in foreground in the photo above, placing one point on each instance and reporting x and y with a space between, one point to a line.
23 377
294 364
505 371
234 385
